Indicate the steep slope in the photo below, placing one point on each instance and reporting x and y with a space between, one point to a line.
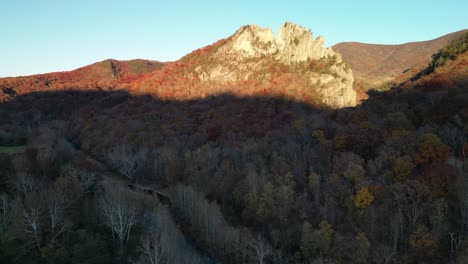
374 65
97 75
254 62
448 69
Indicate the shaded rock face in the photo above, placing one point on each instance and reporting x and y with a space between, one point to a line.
252 50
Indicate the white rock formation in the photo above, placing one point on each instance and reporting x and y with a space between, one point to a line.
296 43
242 55
293 44
252 41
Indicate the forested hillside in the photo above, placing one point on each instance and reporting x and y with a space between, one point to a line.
100 75
101 177
120 175
375 65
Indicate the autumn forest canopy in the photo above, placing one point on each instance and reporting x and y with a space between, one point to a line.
257 158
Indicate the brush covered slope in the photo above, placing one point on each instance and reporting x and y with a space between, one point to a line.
254 62
374 65
95 76
448 68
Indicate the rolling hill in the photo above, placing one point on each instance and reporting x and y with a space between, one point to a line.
94 76
448 69
374 64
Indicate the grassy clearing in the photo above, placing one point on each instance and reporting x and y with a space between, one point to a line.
12 149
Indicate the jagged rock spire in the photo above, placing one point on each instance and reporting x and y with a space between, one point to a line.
294 43
251 50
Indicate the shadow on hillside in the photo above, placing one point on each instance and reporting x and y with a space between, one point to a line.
229 148
101 117
124 118
225 129
221 143
96 121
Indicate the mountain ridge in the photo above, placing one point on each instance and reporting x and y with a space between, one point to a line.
376 64
458 32
155 63
94 76
253 62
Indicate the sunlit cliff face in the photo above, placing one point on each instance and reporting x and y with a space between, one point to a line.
252 50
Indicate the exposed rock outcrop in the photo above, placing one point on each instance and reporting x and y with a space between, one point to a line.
293 44
252 50
296 43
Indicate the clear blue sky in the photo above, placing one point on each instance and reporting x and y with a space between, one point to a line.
40 36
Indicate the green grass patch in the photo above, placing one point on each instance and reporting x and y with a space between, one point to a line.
12 149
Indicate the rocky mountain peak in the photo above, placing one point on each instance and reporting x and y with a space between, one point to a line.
252 40
294 43
254 54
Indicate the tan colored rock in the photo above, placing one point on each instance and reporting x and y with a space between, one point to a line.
252 41
249 51
296 43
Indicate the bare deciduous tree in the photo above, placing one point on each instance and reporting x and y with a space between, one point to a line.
127 160
261 249
87 179
413 215
439 211
120 211
66 191
462 194
455 243
164 243
383 255
25 183
55 215
153 249
22 180
4 212
32 219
